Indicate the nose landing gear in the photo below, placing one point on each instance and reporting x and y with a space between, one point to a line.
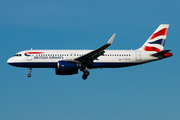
29 75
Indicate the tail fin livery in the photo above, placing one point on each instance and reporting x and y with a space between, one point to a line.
157 40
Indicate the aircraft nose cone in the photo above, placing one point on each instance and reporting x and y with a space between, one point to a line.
10 61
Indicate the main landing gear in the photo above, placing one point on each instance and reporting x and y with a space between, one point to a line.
85 74
29 75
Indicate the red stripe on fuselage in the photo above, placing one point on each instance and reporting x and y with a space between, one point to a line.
34 52
159 33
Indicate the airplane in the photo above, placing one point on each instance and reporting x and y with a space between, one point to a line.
69 62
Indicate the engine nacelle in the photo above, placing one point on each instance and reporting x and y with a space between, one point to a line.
67 67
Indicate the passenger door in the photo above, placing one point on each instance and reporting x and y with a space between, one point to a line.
29 56
138 56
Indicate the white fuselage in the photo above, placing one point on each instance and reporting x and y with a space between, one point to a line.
49 58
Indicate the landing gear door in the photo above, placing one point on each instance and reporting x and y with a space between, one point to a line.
138 56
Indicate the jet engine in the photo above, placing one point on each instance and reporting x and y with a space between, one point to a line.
67 67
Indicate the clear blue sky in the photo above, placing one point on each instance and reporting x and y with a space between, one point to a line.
145 92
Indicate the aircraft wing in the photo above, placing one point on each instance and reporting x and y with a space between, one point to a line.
93 55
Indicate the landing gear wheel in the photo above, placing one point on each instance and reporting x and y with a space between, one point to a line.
29 75
85 75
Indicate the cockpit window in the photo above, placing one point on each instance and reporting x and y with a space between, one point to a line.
18 55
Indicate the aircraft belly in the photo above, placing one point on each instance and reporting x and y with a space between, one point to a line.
35 64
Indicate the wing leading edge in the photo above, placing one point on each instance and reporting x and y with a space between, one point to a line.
93 55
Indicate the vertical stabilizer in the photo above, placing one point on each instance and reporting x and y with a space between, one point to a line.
157 40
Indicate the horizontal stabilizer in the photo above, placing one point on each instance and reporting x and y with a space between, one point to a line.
162 53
